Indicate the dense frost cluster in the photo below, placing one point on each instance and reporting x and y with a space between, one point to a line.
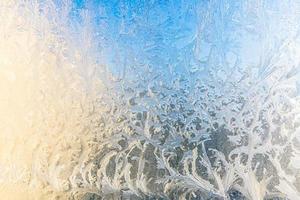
150 99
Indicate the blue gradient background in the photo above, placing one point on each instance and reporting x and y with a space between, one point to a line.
182 37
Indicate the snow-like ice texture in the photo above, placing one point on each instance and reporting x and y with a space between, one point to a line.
149 99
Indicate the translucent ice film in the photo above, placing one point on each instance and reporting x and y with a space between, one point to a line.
149 99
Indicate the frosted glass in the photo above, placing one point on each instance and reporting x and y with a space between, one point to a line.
136 99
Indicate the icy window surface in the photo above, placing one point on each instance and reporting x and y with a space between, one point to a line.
150 99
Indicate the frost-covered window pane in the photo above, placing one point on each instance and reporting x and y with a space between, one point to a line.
149 99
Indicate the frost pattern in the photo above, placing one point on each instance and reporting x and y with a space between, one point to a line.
151 100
